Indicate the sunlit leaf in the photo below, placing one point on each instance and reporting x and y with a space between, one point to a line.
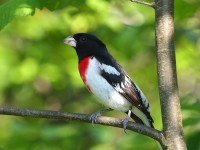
17 8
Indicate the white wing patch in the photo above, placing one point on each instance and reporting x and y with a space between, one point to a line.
118 88
109 69
127 81
122 85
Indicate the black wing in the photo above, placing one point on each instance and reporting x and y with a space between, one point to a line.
126 87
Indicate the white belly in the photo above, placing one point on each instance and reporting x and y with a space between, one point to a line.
105 93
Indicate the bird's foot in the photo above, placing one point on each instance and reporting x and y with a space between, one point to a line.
94 116
126 120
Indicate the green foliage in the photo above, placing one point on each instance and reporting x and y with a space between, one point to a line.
37 70
16 8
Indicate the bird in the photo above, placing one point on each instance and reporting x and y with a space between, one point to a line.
108 81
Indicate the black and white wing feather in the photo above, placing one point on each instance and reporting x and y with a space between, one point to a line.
122 83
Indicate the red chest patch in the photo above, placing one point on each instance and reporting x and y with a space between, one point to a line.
83 66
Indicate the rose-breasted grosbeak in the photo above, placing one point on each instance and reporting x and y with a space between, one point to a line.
107 80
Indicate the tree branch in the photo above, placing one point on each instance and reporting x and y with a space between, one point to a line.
167 77
153 133
144 3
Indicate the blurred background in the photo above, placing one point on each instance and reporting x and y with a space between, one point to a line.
38 71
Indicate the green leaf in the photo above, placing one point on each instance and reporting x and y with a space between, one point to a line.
17 8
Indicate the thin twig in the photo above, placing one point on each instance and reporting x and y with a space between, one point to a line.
153 133
144 3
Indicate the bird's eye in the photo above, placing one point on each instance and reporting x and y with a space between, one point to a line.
83 39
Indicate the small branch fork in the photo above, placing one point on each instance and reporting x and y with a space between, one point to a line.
144 3
153 133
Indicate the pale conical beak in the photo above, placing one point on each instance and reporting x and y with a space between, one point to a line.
70 41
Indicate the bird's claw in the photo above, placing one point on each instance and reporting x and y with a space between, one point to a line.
126 120
124 123
94 116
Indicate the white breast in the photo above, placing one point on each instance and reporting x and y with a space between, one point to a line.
105 93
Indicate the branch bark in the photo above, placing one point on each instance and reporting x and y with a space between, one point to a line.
109 121
167 77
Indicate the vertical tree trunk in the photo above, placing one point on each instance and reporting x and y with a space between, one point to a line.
167 78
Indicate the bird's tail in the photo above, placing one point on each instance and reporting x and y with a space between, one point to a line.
141 118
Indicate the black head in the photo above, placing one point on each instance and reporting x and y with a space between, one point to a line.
86 45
